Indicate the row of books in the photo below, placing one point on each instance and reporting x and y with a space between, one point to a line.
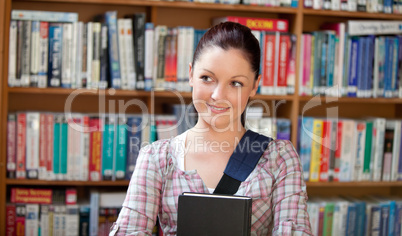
33 211
82 147
371 6
268 3
350 149
368 215
356 59
127 53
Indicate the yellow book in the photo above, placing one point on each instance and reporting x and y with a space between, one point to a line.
316 150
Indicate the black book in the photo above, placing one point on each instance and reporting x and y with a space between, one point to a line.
213 214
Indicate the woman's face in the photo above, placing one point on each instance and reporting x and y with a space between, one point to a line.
222 83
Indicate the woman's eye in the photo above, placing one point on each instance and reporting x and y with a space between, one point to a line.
206 78
237 84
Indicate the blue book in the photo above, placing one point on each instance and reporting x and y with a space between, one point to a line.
55 54
370 64
113 43
305 144
134 140
353 67
318 38
121 148
331 60
395 62
351 219
108 147
389 55
361 71
283 128
323 63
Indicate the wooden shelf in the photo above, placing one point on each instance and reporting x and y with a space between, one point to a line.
17 182
184 5
351 14
363 184
323 98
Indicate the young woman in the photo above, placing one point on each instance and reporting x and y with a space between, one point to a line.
224 74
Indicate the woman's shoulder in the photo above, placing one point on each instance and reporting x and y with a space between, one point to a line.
280 153
165 148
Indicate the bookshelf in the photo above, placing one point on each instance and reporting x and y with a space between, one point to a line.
198 15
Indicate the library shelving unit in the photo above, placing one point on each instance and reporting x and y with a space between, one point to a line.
172 14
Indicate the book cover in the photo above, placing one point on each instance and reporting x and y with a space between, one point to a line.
263 24
212 214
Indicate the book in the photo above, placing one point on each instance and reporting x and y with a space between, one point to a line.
50 16
376 27
213 214
263 24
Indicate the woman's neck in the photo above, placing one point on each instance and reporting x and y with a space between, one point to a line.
209 134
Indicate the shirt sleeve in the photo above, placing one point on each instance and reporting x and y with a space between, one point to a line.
141 205
289 196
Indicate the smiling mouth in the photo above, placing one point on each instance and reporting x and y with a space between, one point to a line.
218 108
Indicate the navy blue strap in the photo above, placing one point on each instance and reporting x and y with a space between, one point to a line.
243 160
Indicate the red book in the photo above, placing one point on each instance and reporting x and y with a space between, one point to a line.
31 195
338 151
20 220
21 144
42 147
10 219
282 64
49 148
95 147
325 150
263 24
271 41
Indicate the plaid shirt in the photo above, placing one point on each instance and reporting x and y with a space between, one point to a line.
276 186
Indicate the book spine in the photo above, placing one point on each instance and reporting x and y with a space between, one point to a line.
129 53
282 65
87 82
121 35
181 37
26 53
42 175
389 49
189 51
396 151
12 53
325 149
316 150
35 56
55 54
264 24
317 61
96 50
388 148
114 57
139 48
11 145
104 58
348 151
63 148
366 176
353 66
32 219
66 55
121 148
95 145
149 56
85 149
360 136
269 63
21 144
49 138
32 144
133 143
43 55
77 57
107 147
56 146
159 57
338 150
20 219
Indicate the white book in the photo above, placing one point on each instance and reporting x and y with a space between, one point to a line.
35 56
340 217
376 27
360 136
74 54
352 5
129 53
318 4
371 6
26 51
84 151
95 66
43 54
313 210
395 152
32 145
181 38
12 54
336 5
348 151
121 35
59 219
44 219
72 220
377 153
189 51
50 16
79 52
89 53
67 55
149 55
32 220
94 213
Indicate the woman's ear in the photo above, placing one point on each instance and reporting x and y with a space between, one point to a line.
190 75
256 84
